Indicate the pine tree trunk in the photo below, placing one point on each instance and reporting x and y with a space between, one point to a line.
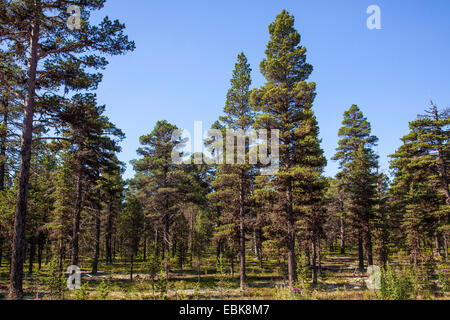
319 256
157 236
314 259
254 243
145 243
243 279
10 260
131 267
97 242
1 251
445 246
40 249
232 266
165 250
360 253
308 255
342 234
174 246
47 255
108 234
368 248
181 257
18 246
259 247
3 148
76 221
60 253
291 237
31 255
114 241
219 249
438 245
3 165
415 253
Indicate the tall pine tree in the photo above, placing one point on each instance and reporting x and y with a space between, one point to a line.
54 58
233 182
284 103
358 163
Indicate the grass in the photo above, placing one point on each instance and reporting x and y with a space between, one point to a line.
338 280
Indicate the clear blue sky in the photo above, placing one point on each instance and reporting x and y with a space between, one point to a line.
186 52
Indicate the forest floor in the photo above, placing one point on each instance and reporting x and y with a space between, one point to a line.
338 280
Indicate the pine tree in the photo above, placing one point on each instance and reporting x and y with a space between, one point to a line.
161 182
131 227
358 162
234 181
383 223
285 103
93 141
54 58
337 208
419 189
111 186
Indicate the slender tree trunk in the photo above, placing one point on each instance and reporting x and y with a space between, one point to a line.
259 247
145 242
10 260
1 251
76 220
219 249
3 138
31 255
243 278
319 255
157 236
181 256
291 237
360 252
60 253
97 242
198 268
445 246
40 249
3 165
18 245
165 249
47 254
369 248
342 234
438 245
174 246
415 252
108 234
314 259
254 243
232 266
308 255
131 267
114 241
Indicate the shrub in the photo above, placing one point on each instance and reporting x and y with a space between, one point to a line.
82 293
54 282
103 289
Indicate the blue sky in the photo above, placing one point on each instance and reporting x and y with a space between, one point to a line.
186 51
